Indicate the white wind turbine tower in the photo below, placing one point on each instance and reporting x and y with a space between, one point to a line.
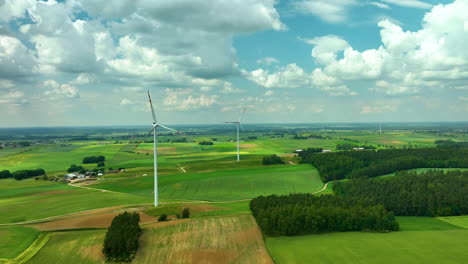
153 130
380 130
238 124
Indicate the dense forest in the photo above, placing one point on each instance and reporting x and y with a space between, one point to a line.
121 241
432 193
371 163
297 214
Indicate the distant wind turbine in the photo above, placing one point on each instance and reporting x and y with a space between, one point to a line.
380 130
238 124
156 125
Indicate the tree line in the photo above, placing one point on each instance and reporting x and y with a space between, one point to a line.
431 193
297 214
370 163
121 241
21 174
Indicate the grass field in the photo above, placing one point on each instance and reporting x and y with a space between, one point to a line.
28 200
15 239
224 185
461 221
421 240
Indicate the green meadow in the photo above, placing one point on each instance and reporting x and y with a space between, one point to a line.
29 200
15 239
223 185
421 240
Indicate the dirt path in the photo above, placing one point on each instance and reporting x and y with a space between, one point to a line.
321 190
96 189
181 168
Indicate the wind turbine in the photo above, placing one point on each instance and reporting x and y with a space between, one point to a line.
380 130
238 124
156 125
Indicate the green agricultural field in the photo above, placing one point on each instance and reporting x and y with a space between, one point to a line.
15 239
201 209
421 240
224 185
461 221
29 200
82 247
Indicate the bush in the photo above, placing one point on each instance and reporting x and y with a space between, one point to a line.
162 218
205 142
121 242
101 164
273 159
186 213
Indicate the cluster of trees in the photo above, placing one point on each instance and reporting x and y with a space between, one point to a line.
308 137
450 144
304 154
349 146
271 160
205 142
121 241
93 159
432 193
74 168
369 163
297 214
5 174
24 174
180 140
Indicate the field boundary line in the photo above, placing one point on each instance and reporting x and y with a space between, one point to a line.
32 250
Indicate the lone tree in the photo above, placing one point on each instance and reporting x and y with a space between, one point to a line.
121 242
186 213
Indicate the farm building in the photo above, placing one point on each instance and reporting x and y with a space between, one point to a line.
326 150
72 176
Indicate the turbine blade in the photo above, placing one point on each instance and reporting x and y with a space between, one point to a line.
231 122
242 127
168 128
149 133
243 112
152 109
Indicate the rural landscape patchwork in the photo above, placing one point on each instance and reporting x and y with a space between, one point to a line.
399 195
252 131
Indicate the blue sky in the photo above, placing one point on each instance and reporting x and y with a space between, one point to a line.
87 62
